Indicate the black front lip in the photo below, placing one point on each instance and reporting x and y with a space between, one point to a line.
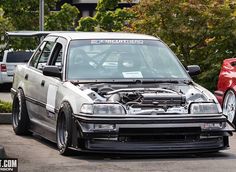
157 147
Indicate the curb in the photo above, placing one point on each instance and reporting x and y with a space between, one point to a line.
2 152
5 118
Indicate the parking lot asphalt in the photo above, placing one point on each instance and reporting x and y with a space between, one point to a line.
39 155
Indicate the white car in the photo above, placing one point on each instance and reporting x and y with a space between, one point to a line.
9 60
115 92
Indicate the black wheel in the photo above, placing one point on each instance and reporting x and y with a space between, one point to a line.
229 106
64 129
20 118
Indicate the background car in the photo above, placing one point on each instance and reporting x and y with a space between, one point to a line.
9 60
226 89
115 92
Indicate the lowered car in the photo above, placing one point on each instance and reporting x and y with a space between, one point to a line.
115 92
226 89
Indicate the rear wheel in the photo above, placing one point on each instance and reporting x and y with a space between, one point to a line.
229 106
20 118
64 129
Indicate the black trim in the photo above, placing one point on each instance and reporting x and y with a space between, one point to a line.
158 147
36 102
148 120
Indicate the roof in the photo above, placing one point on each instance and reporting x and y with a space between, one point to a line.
102 35
81 35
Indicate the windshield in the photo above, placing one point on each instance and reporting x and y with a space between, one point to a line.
122 59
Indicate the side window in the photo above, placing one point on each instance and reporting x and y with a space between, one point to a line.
34 59
45 55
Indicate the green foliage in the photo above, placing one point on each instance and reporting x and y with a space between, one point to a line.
5 107
5 25
24 14
63 19
87 24
104 5
108 18
198 31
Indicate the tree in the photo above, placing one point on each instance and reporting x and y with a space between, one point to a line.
24 14
63 19
199 31
108 18
5 25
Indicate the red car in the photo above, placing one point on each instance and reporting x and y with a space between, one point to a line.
226 89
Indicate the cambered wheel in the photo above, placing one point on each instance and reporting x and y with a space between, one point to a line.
64 129
20 118
229 106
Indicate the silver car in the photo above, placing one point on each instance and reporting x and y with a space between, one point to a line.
115 92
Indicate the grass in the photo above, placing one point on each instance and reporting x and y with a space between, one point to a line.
5 107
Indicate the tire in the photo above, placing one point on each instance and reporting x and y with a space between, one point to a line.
20 118
229 106
64 129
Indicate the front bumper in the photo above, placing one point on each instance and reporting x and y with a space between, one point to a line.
152 134
4 78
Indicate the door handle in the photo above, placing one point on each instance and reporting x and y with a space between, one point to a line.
26 77
42 83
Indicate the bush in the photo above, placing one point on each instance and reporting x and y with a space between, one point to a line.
5 107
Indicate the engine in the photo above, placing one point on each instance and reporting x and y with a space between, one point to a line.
142 101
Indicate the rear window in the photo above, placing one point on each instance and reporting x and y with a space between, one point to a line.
18 57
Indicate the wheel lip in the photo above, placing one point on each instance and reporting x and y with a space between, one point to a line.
16 112
230 117
61 127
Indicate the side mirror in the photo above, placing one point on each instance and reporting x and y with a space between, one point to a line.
53 71
193 70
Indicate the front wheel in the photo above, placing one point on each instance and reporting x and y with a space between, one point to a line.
229 106
64 130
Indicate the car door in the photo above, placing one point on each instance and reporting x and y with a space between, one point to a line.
49 94
35 83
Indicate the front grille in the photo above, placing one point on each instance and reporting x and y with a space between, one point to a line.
159 134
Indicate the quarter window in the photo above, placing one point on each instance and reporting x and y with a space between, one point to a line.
41 56
34 60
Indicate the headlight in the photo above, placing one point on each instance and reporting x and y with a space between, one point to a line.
204 108
103 109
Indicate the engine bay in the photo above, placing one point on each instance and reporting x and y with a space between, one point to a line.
146 99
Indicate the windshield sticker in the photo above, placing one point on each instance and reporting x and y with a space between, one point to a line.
134 74
113 41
